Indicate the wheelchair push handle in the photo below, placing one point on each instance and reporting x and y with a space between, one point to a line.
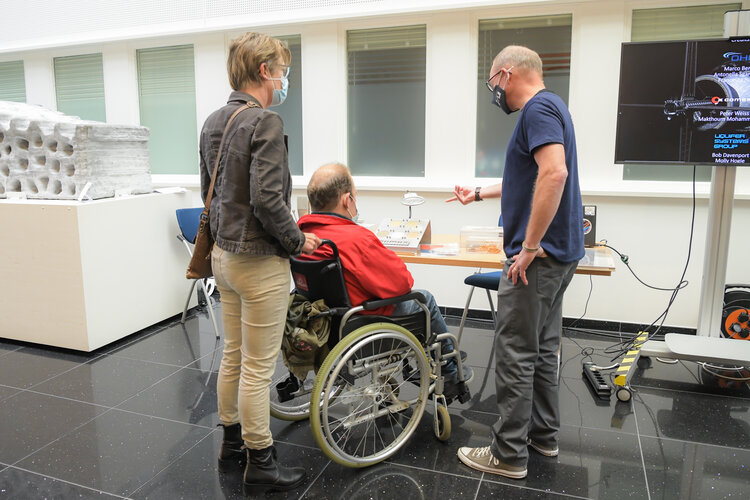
333 246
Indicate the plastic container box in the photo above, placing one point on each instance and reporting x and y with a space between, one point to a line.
479 239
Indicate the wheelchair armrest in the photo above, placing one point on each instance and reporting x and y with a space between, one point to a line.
334 311
376 304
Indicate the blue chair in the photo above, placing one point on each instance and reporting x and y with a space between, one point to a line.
488 281
188 219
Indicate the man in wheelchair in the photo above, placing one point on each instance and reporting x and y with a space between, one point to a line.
371 271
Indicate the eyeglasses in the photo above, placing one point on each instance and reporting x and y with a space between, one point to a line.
491 87
285 68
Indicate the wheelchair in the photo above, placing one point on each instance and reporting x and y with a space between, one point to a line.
370 392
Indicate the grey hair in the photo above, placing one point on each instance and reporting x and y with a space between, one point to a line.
518 57
324 193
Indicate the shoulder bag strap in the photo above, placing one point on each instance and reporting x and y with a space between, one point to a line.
210 194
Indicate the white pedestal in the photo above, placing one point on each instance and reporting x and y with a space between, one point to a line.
82 275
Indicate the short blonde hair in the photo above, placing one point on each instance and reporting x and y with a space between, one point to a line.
518 57
248 52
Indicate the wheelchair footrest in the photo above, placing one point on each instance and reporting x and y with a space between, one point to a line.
464 394
287 388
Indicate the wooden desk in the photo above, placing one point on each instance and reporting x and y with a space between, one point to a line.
598 261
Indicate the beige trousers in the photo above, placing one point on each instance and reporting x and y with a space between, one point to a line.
254 298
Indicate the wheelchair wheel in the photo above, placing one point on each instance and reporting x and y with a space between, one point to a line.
365 409
442 423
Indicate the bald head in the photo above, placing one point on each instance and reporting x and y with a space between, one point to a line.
521 58
327 185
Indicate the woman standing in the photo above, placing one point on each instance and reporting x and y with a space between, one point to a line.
255 233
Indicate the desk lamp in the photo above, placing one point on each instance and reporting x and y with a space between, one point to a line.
411 200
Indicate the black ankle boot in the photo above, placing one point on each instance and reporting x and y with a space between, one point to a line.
263 469
231 454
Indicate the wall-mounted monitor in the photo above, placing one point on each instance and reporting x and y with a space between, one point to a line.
684 103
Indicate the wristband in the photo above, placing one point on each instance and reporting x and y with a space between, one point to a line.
529 249
476 193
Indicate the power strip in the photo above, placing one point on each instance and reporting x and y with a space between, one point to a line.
598 384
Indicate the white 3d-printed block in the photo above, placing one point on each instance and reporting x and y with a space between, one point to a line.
48 155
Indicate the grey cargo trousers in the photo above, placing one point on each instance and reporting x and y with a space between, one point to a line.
527 338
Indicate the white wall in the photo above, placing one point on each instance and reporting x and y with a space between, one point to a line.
649 221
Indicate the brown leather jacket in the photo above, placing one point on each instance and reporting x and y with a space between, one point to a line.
251 209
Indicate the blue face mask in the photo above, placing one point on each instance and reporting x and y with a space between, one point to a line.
279 95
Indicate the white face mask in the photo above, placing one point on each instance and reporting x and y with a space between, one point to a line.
357 218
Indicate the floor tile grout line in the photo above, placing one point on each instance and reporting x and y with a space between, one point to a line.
313 481
8 351
683 441
209 427
640 449
130 494
147 388
69 482
14 464
424 469
213 353
156 362
98 405
481 478
743 398
562 424
479 486
78 365
588 428
305 446
549 491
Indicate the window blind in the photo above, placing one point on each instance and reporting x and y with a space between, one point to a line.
384 55
496 32
79 86
386 100
677 23
550 37
166 91
12 81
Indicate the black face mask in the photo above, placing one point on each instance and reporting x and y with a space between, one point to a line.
498 99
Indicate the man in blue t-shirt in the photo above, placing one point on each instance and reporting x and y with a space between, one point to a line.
543 240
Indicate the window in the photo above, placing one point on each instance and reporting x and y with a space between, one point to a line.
12 81
550 37
675 23
166 92
79 86
386 101
291 110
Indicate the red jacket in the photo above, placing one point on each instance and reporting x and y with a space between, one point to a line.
371 271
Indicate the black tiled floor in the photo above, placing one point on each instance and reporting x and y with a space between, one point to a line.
685 470
29 421
390 481
188 478
186 396
124 449
136 420
106 380
17 484
29 366
6 392
7 346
